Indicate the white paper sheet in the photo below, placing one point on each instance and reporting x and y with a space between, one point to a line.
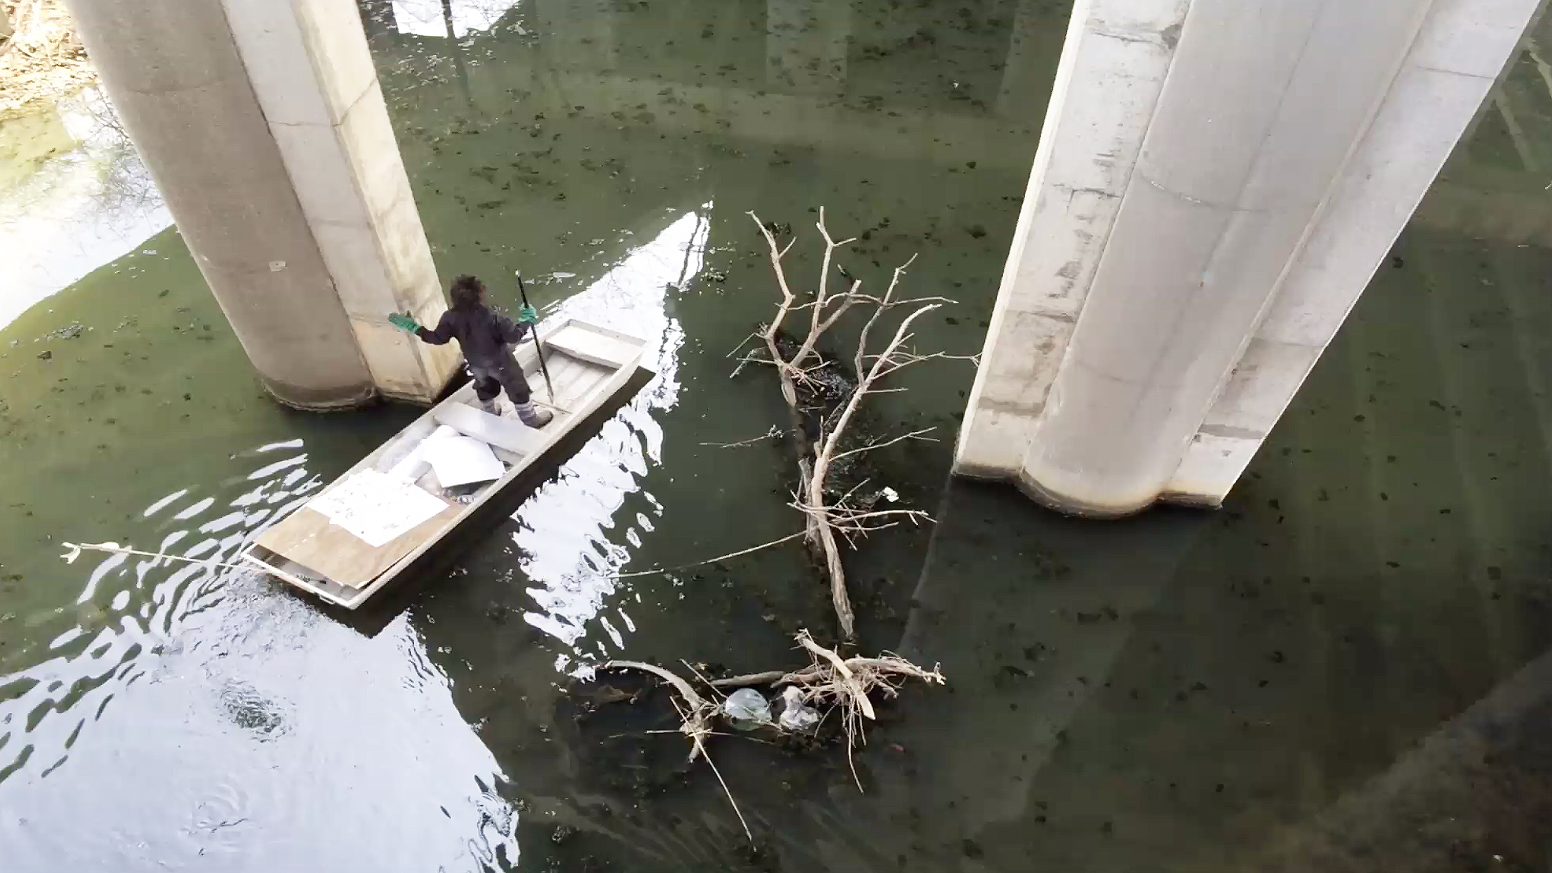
375 507
414 465
460 460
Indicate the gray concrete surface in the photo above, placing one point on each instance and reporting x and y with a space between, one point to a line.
265 131
1188 249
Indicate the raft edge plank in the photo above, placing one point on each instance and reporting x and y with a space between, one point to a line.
592 346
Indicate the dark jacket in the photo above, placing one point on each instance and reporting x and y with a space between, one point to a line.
483 335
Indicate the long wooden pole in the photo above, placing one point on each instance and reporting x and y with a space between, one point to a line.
533 331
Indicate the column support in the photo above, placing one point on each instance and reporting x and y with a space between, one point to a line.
1202 214
264 127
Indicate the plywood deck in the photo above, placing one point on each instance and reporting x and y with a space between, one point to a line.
310 539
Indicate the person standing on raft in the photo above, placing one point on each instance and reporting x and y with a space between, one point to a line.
486 340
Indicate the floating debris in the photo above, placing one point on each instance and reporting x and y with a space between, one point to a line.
747 709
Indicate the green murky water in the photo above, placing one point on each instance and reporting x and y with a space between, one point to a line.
1344 668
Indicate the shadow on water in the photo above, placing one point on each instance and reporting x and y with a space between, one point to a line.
1343 669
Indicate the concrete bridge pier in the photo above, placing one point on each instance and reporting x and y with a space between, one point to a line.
264 127
1215 184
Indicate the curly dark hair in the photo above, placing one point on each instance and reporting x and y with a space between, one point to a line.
467 292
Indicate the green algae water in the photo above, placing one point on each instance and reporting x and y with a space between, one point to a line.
1346 667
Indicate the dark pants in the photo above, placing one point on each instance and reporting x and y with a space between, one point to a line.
490 379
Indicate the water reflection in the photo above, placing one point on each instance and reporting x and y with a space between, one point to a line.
571 561
201 719
252 714
1497 184
455 18
85 200
937 84
806 44
235 697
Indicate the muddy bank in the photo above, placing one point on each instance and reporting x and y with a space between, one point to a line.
41 59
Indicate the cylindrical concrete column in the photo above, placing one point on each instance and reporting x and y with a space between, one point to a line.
175 77
1262 105
1215 184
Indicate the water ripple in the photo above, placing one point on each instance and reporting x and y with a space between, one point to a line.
249 715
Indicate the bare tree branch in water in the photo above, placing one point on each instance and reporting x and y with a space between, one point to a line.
695 715
830 521
829 681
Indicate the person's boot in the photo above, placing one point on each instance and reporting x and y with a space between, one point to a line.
533 416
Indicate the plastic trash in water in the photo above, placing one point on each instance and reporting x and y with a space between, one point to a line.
795 716
746 709
799 719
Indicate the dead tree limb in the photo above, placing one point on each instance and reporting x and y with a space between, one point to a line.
846 683
846 680
695 716
829 522
697 712
826 452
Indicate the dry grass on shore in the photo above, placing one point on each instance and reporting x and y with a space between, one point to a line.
43 59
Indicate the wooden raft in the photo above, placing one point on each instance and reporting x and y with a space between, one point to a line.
589 366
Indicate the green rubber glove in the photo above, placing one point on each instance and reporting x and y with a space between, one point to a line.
405 321
527 314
